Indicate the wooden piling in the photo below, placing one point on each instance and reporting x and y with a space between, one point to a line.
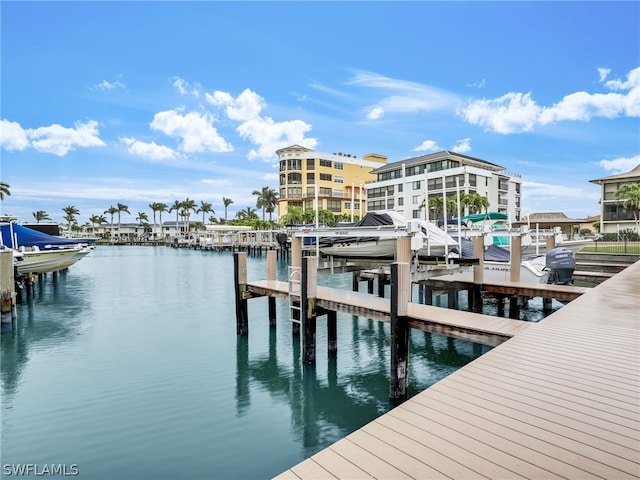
271 275
308 295
332 332
478 273
240 276
399 370
516 258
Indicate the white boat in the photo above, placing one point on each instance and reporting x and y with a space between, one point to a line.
427 239
36 261
555 266
37 252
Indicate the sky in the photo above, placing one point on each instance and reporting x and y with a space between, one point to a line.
140 102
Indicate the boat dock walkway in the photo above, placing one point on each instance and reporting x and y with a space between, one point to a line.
485 329
561 399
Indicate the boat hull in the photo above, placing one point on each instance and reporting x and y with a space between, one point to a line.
36 262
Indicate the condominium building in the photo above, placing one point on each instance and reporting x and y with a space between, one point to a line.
403 186
614 214
339 178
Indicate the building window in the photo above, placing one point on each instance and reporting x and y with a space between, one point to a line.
338 166
295 179
283 165
294 164
308 205
283 193
401 202
416 213
338 192
325 192
416 185
294 192
325 176
338 179
334 206
400 187
311 178
325 163
415 199
311 163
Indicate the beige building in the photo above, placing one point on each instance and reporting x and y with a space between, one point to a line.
614 216
339 177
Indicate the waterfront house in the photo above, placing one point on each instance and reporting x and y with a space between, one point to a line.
614 215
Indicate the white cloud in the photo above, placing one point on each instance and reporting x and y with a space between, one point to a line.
59 140
270 136
604 73
12 136
479 84
511 113
406 97
262 131
151 151
106 85
185 88
550 191
518 112
462 146
620 165
195 130
246 106
217 181
427 146
376 113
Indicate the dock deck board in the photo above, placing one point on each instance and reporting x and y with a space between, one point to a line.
561 400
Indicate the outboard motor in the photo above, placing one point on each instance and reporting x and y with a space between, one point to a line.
562 264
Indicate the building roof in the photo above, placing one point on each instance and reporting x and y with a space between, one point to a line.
432 157
635 173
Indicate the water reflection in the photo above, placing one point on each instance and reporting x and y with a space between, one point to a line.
326 406
36 329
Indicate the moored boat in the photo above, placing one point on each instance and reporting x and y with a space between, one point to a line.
37 252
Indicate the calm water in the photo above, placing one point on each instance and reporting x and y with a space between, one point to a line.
128 366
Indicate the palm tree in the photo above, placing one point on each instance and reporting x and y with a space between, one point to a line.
142 218
188 205
247 214
226 202
267 200
70 213
4 189
121 208
41 215
629 194
157 207
177 205
474 202
205 208
270 201
294 215
213 219
111 211
99 219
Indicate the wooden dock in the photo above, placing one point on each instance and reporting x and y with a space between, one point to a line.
473 327
560 399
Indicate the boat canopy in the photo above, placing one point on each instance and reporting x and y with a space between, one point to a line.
480 217
15 236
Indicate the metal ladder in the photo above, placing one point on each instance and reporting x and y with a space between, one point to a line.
295 285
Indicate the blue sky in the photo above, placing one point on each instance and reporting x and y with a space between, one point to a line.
122 102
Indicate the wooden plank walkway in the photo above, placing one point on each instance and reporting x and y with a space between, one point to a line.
561 400
485 329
